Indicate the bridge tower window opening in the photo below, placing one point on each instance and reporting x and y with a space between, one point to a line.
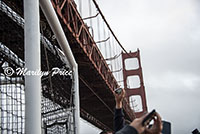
133 82
136 103
131 64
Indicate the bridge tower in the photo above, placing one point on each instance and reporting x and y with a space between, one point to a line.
136 92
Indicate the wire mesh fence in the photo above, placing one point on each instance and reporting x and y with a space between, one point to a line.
56 77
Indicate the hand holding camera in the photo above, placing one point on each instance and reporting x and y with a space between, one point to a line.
119 94
142 124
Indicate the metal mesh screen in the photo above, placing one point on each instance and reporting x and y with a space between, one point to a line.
57 96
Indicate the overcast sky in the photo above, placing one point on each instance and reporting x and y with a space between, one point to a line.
167 32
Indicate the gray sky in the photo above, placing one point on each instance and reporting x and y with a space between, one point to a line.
167 32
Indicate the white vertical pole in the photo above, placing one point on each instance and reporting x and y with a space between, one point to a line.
76 100
32 62
1 108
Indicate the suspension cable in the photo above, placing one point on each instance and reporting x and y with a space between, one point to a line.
95 3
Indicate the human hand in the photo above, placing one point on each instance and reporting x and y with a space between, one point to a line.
119 99
156 127
137 124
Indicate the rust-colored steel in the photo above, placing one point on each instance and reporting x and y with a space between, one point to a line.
90 60
137 72
70 16
96 79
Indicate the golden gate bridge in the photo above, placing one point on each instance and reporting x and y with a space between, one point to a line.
101 60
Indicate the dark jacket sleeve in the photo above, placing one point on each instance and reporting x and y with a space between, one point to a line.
127 130
118 120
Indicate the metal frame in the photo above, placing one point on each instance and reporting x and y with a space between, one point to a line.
55 25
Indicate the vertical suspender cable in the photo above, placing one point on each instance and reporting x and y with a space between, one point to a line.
104 34
109 48
110 51
95 3
99 31
80 7
113 54
90 11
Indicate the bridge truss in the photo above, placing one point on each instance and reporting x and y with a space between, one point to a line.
98 57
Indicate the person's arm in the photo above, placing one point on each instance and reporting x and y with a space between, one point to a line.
119 115
118 120
135 127
127 130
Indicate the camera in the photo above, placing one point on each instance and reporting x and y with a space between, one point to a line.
149 117
118 90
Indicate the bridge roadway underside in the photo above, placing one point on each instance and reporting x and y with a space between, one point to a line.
96 81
